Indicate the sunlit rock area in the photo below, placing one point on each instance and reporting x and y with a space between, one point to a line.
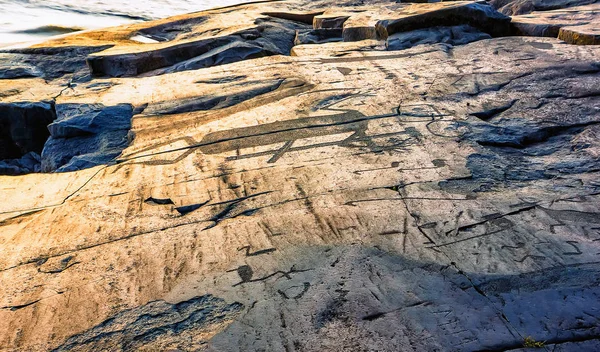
306 176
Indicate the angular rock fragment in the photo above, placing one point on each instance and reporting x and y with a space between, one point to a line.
360 27
330 21
480 16
133 64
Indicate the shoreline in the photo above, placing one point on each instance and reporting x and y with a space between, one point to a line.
51 28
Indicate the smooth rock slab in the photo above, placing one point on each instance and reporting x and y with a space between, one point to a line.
438 198
549 23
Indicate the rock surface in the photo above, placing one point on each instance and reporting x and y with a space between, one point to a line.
581 35
341 196
456 35
519 7
451 13
549 23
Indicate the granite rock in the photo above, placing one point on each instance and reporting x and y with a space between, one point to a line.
335 196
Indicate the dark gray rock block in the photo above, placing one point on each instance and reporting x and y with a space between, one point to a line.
456 35
81 120
72 154
47 63
16 70
85 136
481 16
318 36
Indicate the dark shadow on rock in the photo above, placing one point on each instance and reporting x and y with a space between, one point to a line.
306 18
47 63
370 290
23 133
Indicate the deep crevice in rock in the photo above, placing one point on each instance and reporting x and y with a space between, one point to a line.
23 133
49 137
156 325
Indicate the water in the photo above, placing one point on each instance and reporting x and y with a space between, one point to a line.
31 20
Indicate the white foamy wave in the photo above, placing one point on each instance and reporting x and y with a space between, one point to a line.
27 20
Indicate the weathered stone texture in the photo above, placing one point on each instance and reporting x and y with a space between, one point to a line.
435 191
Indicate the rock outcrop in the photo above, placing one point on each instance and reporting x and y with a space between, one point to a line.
549 23
414 179
580 35
86 135
451 13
